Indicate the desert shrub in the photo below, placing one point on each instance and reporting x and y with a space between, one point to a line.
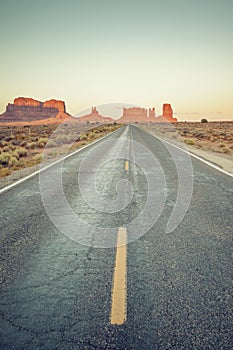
34 138
226 150
82 143
38 158
31 145
198 134
43 140
16 142
83 137
204 120
4 172
41 144
15 154
63 139
215 133
221 145
52 154
22 151
6 149
51 143
13 161
9 148
21 163
12 147
4 158
21 136
189 142
9 138
90 136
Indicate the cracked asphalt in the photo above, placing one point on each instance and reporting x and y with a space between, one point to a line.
56 293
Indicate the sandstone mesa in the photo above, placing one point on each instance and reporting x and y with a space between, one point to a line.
28 110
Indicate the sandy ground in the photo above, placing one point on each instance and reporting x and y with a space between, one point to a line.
23 172
223 161
17 175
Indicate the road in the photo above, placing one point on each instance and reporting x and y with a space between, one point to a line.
79 290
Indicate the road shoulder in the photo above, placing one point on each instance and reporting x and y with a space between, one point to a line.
223 161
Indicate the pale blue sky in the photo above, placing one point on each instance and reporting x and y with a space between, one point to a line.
91 52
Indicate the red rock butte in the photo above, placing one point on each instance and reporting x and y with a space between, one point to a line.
142 115
94 117
26 109
133 115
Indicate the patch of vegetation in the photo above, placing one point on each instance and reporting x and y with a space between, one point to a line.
226 150
83 136
189 142
23 146
211 136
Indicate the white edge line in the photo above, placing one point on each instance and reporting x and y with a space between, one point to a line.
191 154
6 188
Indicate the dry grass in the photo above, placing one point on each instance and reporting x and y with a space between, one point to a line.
212 136
22 146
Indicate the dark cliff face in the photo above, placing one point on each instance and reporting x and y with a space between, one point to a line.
29 110
28 113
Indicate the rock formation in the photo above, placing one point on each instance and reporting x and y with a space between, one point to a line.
167 115
26 101
60 105
142 115
29 110
151 113
138 115
94 117
133 114
167 111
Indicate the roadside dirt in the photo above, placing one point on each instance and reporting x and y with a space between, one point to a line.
211 141
22 148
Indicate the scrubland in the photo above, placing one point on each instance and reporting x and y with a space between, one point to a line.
23 146
213 136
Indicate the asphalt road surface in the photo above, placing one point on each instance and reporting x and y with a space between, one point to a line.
163 290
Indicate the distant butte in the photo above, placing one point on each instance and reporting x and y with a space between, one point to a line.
132 115
94 117
142 115
26 109
167 115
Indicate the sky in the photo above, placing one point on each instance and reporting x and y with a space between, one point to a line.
94 52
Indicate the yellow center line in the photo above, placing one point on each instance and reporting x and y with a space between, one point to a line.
126 165
118 310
